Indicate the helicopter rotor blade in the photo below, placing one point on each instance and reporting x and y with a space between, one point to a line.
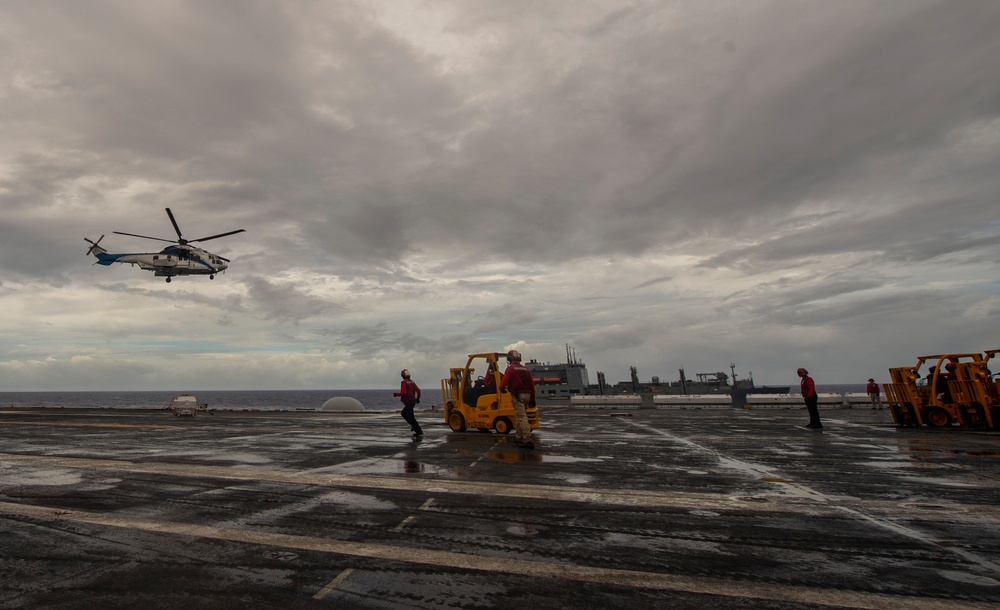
93 244
145 236
180 238
219 235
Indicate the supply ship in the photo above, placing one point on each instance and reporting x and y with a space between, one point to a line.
566 379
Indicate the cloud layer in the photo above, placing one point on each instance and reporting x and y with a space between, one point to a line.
659 184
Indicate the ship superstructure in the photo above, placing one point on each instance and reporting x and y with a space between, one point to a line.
562 379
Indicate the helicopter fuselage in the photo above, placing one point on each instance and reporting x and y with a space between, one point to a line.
169 262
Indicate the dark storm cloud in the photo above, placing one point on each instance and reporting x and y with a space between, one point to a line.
155 80
285 302
256 108
623 150
810 313
792 292
962 229
505 318
808 112
655 281
366 342
172 294
901 84
814 302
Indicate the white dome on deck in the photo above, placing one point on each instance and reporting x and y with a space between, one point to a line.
343 403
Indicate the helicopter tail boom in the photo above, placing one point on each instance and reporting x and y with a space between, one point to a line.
103 258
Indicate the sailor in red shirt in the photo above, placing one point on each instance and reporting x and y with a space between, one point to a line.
944 382
409 395
811 398
517 379
874 394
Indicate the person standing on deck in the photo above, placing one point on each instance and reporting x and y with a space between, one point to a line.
874 394
517 378
810 397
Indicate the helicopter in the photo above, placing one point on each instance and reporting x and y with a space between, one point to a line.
174 260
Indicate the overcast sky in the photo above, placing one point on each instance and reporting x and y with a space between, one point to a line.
659 184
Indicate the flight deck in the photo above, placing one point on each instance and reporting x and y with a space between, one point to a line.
634 508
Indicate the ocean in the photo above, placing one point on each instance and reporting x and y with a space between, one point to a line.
257 400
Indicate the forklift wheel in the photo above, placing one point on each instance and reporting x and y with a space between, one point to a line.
456 422
502 425
938 417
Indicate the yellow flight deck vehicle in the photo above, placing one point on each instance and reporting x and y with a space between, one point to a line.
957 389
476 402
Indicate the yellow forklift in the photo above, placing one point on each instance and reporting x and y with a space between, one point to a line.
476 402
905 398
977 393
957 389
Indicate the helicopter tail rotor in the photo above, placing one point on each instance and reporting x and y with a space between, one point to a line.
94 248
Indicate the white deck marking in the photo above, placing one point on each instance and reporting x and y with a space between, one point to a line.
791 488
589 495
330 586
412 517
521 567
483 456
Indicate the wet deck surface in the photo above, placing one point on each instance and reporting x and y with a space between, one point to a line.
631 509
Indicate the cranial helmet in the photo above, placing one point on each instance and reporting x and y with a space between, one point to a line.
513 356
802 371
405 373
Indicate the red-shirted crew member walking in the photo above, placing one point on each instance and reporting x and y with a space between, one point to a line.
409 395
517 379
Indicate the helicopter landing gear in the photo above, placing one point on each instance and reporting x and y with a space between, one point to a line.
211 277
168 280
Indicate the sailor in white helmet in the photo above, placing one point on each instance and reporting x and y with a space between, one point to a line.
409 395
